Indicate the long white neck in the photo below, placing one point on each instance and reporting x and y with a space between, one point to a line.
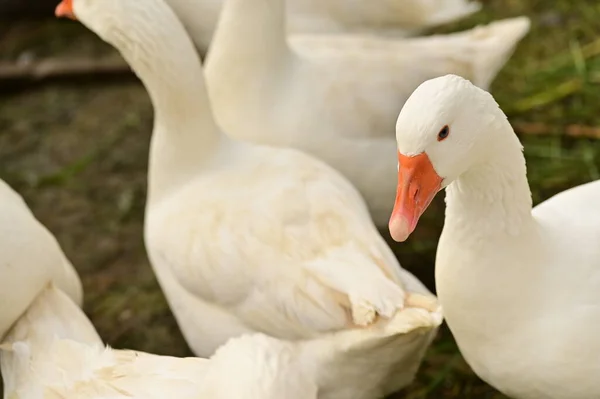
489 249
251 34
185 133
492 198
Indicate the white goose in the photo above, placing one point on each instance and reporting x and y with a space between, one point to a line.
249 238
520 287
24 240
336 98
396 17
53 351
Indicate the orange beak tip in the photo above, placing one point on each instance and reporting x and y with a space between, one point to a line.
400 228
65 10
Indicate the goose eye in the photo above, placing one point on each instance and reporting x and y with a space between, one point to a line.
443 133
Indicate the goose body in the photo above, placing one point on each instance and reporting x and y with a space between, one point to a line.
24 240
53 351
520 286
336 98
245 238
393 18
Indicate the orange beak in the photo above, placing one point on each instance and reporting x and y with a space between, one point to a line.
418 183
65 9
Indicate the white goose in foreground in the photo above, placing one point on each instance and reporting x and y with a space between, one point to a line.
396 17
53 351
520 287
248 238
24 240
336 98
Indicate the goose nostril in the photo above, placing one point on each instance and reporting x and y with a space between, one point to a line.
415 194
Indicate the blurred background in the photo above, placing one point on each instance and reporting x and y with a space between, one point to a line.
75 127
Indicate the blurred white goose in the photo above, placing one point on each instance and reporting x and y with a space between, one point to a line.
396 17
249 238
24 240
520 287
336 98
53 351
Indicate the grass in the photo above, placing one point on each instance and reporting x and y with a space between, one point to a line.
78 155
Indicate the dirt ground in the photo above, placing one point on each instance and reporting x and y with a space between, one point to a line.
78 154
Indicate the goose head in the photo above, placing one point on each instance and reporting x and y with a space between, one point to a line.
86 10
109 19
445 128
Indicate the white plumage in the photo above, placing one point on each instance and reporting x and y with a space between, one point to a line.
53 352
520 286
246 238
381 17
31 258
337 97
